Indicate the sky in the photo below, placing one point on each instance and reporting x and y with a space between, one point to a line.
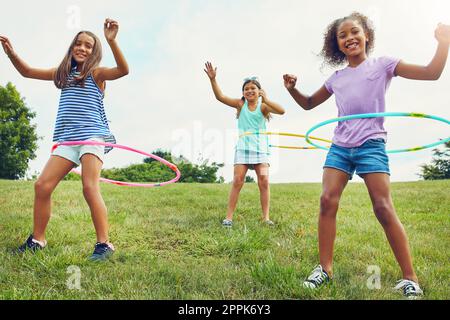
166 101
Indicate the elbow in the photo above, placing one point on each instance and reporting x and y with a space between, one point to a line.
25 74
433 73
309 105
432 77
125 71
436 76
282 112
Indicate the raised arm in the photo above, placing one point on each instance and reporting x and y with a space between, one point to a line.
211 73
306 102
21 66
270 106
111 28
434 69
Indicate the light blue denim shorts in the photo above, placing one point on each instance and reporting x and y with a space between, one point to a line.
74 153
370 157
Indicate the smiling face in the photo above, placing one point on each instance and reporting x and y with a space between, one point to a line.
251 91
352 38
83 48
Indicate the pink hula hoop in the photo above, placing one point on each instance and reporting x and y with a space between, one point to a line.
121 183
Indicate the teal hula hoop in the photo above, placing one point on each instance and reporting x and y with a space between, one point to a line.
377 115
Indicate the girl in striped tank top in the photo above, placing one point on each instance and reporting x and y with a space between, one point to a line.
81 116
252 151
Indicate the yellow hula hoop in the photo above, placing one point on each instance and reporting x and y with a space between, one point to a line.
297 135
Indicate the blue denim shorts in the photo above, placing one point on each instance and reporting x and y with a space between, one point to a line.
370 157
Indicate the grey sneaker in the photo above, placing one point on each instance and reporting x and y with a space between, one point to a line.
317 278
227 223
411 289
269 223
102 251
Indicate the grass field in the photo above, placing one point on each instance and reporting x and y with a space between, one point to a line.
170 244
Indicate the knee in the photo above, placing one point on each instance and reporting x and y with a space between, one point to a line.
384 211
328 201
90 190
263 182
43 188
238 181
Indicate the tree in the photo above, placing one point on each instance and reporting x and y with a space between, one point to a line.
440 165
18 138
249 179
166 155
153 171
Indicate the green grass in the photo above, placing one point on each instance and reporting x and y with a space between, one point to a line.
170 244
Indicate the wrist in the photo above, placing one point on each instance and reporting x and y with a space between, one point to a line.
12 56
291 90
443 43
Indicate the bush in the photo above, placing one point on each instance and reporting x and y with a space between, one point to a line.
154 171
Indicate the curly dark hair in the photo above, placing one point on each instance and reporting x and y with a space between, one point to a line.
330 52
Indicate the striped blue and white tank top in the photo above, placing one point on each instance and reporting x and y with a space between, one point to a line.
255 122
81 114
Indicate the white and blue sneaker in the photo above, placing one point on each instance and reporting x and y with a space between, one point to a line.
31 245
102 251
411 289
317 278
227 223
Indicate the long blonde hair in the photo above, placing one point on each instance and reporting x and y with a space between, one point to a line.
68 63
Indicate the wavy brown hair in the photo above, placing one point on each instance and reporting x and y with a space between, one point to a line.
68 63
256 83
330 52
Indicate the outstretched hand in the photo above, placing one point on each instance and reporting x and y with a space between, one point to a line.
111 28
210 70
442 33
289 81
7 46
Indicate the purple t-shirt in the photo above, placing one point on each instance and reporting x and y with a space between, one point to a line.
361 90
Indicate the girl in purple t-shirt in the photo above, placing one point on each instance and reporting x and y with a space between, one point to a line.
359 145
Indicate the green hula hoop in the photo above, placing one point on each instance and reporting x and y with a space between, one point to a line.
248 133
377 115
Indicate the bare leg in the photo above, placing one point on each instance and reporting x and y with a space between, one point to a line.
262 171
333 183
240 170
54 171
379 190
91 168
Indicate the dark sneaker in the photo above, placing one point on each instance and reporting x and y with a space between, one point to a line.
102 251
411 289
31 245
227 223
317 278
